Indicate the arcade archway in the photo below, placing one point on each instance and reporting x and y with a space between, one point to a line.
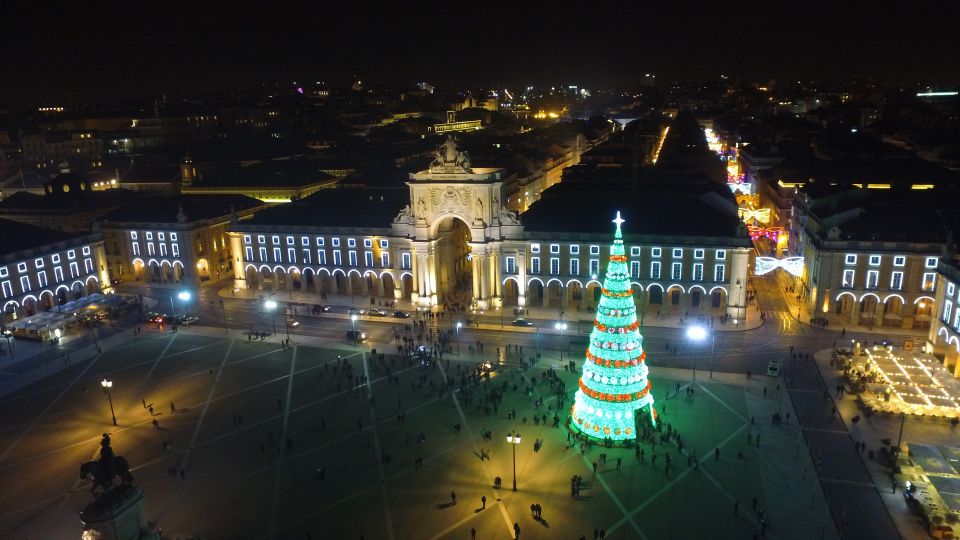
454 266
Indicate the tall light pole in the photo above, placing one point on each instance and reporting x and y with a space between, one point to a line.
514 440
184 297
459 324
107 384
699 333
561 326
353 319
271 306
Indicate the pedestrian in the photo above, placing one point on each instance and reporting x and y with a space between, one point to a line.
516 526
453 497
716 454
473 533
156 425
173 408
483 502
594 467
618 464
150 408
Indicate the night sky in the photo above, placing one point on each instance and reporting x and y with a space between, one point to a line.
104 49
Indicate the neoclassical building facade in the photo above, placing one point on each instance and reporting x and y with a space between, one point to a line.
447 239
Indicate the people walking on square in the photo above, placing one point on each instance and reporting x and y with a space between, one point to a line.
483 502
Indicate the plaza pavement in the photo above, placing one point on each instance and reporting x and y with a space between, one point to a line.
235 488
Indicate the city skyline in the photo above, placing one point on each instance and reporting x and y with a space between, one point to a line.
124 51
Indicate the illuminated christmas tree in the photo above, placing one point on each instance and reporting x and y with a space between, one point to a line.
614 390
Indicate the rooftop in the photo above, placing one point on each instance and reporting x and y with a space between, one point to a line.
194 208
19 237
339 207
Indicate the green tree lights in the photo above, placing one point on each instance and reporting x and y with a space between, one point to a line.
614 388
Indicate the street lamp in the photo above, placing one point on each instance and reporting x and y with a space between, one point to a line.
459 324
184 297
271 305
561 326
514 440
699 333
107 384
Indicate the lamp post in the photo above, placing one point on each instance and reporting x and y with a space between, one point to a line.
561 326
107 384
514 440
699 333
184 297
459 324
271 306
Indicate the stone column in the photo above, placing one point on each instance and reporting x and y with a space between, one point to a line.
433 282
475 262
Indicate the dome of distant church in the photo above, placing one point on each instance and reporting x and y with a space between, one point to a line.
67 183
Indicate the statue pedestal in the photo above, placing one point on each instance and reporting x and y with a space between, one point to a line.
117 515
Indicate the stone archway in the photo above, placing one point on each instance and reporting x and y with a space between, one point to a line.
453 270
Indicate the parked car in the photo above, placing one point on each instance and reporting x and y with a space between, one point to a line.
155 317
376 312
319 308
522 322
293 323
401 314
188 320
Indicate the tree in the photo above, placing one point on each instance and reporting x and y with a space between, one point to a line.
614 391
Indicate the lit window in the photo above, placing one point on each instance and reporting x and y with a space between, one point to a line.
261 238
896 281
176 249
263 254
676 271
698 272
534 265
88 265
276 240
150 249
385 260
248 253
635 251
899 260
246 239
848 276
677 253
718 272
321 256
720 255
950 289
635 269
384 243
655 270
7 289
850 259
406 261
86 250
42 279
336 242
873 277
874 260
594 250
304 240
554 248
554 266
133 235
594 268
368 258
352 257
574 249
55 258
534 248
173 237
574 267
292 255
929 281
698 254
160 236
136 250
511 265
947 308
149 235
4 272
655 252
163 250
74 270
24 283
351 242
277 255
336 258
367 243
319 241
71 254
306 255
931 262
21 267
58 274
38 263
